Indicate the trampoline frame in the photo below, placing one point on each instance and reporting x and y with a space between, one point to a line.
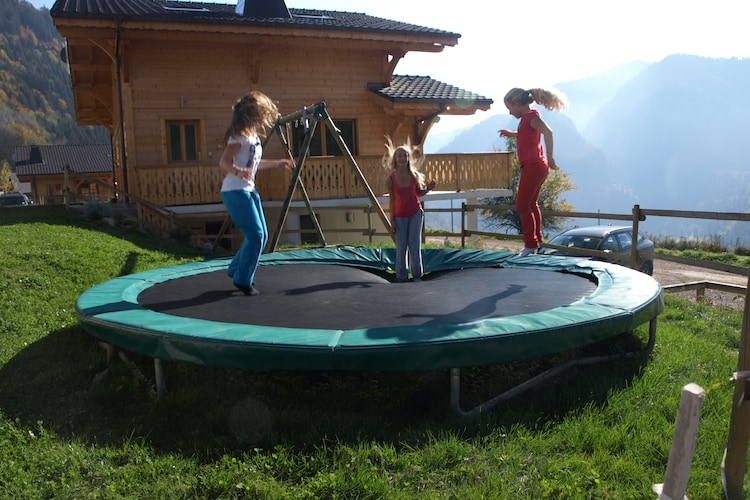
622 300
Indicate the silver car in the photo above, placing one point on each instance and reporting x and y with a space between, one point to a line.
604 239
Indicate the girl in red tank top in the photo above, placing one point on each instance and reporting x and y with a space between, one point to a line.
406 184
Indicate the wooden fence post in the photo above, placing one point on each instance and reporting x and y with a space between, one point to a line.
735 457
66 189
683 445
637 217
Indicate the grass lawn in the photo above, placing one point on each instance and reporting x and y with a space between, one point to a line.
72 427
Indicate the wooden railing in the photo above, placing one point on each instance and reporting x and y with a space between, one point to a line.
323 177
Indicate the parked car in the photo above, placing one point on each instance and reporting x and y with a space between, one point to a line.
605 239
11 200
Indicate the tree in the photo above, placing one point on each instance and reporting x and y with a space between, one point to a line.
6 183
36 100
550 199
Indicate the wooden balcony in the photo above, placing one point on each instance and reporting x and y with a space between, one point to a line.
323 178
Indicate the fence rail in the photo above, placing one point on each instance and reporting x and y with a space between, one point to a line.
637 215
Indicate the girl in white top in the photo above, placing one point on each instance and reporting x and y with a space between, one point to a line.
241 159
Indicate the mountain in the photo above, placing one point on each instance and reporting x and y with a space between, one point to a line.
36 101
666 135
588 95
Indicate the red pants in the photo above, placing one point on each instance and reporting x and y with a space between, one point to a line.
533 176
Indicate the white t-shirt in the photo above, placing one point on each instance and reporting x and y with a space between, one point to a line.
248 157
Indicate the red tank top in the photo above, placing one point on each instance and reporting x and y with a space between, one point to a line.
528 140
407 202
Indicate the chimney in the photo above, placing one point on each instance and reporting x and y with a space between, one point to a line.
261 9
35 155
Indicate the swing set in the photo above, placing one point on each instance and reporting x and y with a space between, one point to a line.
308 117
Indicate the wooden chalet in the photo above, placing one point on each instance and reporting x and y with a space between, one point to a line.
162 77
41 169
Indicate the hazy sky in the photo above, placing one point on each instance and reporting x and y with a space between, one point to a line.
544 42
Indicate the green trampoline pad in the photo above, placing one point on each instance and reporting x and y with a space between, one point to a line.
341 309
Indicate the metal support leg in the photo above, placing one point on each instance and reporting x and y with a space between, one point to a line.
455 382
161 386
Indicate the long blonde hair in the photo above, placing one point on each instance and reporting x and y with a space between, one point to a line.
416 159
253 113
552 99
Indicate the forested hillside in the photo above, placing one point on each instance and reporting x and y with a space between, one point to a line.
36 101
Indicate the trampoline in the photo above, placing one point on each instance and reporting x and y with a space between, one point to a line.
341 309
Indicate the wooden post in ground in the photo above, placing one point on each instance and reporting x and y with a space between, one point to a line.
683 445
637 217
735 457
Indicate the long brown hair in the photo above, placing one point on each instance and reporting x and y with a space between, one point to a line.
416 159
253 113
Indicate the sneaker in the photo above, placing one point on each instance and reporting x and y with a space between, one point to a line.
247 290
526 251
417 280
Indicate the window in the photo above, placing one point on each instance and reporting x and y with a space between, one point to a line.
610 244
329 146
182 141
626 241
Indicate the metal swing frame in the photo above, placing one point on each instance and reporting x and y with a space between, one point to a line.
309 116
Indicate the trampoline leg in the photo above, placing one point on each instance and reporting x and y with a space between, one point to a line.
161 386
456 392
546 375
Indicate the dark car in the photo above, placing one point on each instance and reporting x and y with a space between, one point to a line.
11 200
605 239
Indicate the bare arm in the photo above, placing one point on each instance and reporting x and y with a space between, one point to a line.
507 133
539 125
226 162
429 186
284 163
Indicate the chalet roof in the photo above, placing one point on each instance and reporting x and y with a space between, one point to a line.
213 13
424 88
50 160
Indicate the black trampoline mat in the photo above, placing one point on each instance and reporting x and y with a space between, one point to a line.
337 297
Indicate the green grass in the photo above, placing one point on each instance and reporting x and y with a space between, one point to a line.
70 427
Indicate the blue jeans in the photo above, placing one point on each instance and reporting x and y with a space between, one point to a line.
409 238
247 214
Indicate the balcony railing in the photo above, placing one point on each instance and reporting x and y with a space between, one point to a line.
323 178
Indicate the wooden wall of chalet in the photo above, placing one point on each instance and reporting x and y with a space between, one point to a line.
201 81
166 78
48 189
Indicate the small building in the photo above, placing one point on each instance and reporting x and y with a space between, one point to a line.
42 169
162 76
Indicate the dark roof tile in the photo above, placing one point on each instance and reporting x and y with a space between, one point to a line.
198 12
407 87
50 160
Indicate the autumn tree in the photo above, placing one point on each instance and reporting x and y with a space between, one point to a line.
6 183
550 199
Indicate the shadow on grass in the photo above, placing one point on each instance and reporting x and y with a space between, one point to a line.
63 381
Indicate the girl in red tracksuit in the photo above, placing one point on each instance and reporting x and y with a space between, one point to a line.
531 156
